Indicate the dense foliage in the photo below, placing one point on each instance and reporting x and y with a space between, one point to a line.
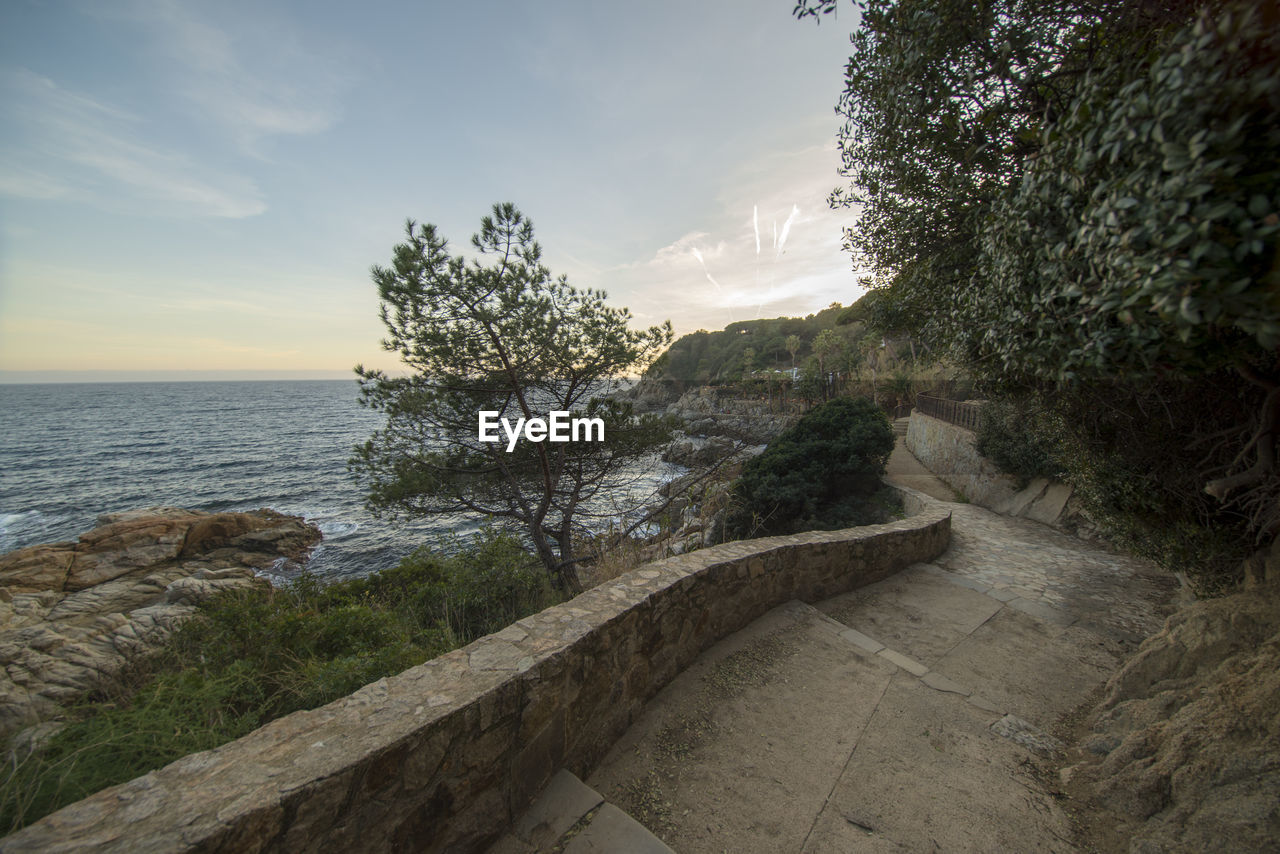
1142 238
505 337
1126 458
824 472
250 656
748 345
1082 201
1013 436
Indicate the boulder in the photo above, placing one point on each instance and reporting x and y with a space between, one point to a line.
128 543
73 614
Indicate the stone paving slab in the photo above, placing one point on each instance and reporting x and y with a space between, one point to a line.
1033 669
564 801
745 751
1123 596
905 469
861 641
938 682
929 775
915 613
910 665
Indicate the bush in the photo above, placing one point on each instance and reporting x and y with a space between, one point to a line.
1135 458
250 656
1011 438
822 473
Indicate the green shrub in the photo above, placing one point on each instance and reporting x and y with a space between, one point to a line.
1135 457
253 655
822 473
1011 438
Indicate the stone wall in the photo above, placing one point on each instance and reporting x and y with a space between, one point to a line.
444 755
951 453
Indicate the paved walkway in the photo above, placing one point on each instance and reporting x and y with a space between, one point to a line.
909 715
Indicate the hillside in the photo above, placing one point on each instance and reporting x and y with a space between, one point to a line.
710 357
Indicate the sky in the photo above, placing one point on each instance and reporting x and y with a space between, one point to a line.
203 186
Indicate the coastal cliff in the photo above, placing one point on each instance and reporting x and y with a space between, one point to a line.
73 614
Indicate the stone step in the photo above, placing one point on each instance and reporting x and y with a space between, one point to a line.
571 817
740 752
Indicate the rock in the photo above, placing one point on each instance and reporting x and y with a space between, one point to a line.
73 614
708 415
1049 506
649 395
697 452
31 739
1186 740
37 567
219 530
127 544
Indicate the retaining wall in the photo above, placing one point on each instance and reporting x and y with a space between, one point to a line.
443 756
951 453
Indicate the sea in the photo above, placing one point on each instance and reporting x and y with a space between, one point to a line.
70 452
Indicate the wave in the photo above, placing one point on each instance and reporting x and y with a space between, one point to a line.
334 529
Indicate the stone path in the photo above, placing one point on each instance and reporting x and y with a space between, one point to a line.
908 715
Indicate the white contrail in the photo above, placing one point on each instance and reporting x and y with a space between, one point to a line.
705 271
755 221
775 235
786 228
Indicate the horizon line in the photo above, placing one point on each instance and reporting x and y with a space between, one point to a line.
108 375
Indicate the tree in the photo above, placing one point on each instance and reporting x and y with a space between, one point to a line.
1152 213
821 473
1079 200
827 346
944 104
793 345
502 337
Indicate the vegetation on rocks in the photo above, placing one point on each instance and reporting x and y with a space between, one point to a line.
252 655
822 473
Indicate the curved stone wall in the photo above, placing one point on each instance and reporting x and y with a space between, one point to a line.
444 755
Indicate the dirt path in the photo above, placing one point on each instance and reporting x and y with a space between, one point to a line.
909 715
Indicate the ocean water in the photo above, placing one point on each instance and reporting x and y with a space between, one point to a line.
70 452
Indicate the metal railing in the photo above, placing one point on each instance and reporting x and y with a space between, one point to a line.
962 413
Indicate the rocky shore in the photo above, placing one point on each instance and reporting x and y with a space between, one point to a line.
716 425
73 614
716 429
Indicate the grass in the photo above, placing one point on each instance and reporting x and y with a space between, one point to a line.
250 656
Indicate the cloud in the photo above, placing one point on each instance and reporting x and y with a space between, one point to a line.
25 183
96 152
727 271
261 84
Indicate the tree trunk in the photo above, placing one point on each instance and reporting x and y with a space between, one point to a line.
567 569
